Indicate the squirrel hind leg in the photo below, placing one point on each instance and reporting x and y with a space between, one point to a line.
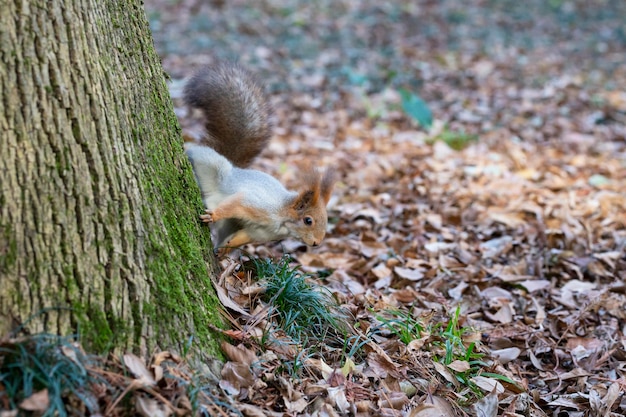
240 238
224 229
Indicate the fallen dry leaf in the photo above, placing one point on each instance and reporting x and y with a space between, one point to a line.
506 355
337 397
238 354
138 368
487 406
149 407
433 407
236 376
459 366
488 384
38 402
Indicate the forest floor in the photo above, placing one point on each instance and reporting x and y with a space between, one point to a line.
476 246
522 227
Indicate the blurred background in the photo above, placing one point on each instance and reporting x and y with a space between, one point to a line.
448 51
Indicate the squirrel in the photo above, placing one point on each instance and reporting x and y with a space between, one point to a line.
246 205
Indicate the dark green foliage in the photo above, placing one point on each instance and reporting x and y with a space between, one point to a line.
402 324
302 309
31 364
417 108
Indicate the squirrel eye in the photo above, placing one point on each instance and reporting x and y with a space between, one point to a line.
308 221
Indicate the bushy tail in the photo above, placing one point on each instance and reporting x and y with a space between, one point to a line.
237 114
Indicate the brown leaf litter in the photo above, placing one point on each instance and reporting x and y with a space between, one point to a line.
523 229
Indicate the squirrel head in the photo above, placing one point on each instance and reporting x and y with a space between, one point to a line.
308 210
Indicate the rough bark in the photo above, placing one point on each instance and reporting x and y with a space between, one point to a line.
98 206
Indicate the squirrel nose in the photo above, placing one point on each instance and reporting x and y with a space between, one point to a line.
315 244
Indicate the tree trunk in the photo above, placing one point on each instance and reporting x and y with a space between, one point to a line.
98 206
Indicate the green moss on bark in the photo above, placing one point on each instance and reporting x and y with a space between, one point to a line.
179 271
95 330
178 252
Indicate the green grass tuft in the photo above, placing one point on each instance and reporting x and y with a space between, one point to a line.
455 140
303 310
447 344
31 364
402 324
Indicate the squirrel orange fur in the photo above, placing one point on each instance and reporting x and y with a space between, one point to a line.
246 205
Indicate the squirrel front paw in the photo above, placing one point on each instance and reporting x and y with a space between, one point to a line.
207 217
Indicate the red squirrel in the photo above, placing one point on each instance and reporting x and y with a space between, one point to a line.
246 205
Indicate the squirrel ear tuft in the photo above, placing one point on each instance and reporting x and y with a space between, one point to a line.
305 199
315 187
328 182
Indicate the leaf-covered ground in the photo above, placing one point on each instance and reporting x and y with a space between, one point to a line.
524 228
478 263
